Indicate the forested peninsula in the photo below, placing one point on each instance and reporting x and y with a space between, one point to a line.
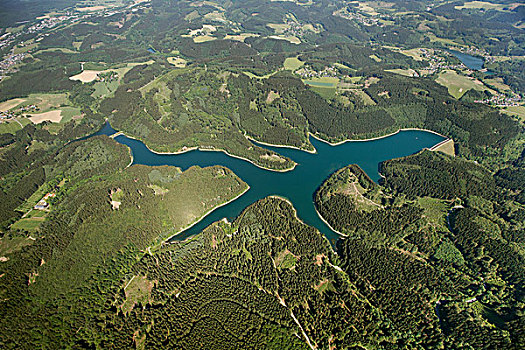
430 257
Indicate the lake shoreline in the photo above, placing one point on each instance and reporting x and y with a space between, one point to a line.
196 148
342 235
281 146
120 133
377 137
296 186
167 240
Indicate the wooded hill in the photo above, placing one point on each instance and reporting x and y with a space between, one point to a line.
438 236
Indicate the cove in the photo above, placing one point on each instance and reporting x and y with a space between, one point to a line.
297 185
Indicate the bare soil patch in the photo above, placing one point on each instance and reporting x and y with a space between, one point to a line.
51 116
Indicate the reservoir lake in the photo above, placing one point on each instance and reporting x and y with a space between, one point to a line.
297 185
472 62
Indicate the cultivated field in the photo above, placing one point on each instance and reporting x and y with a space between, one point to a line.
290 38
52 116
86 76
7 105
240 37
484 5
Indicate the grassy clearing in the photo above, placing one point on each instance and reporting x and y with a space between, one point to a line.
273 158
445 41
300 3
497 83
325 86
91 8
325 285
192 16
375 58
293 63
25 48
15 29
46 102
327 93
457 84
325 82
518 111
340 65
367 100
216 16
68 113
435 210
14 125
77 44
159 191
201 35
278 28
416 54
95 66
98 5
55 49
106 88
178 62
350 83
405 72
28 224
370 7
285 260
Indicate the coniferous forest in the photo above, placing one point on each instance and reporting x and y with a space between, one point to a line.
431 256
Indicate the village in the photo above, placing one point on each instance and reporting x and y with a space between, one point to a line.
309 73
438 61
502 100
11 114
365 15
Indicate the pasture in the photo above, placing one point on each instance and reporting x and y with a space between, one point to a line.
292 63
457 84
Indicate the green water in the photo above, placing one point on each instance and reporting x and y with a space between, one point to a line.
297 185
319 83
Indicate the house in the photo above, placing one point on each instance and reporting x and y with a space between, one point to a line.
41 205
